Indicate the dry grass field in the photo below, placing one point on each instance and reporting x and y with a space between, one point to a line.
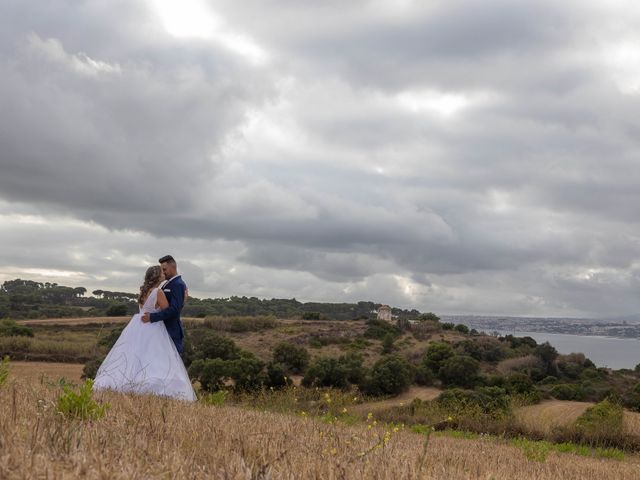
423 393
74 321
150 437
544 417
46 370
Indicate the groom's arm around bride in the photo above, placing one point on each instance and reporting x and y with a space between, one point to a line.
174 289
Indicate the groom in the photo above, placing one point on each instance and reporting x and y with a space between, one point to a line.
174 289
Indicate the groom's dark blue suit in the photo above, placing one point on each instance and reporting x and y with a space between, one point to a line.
174 291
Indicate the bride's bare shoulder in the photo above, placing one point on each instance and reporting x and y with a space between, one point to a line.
161 300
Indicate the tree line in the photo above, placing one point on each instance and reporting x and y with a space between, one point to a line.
29 299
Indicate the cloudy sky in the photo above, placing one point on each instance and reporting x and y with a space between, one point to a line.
477 156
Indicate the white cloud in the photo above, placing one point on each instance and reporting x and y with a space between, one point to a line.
53 51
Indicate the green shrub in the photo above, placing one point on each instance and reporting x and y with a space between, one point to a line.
10 328
277 376
326 372
293 357
549 380
322 341
429 317
378 329
311 316
565 391
207 344
390 375
519 383
571 366
470 348
359 343
240 324
353 364
489 400
631 398
601 425
212 373
447 326
437 353
247 372
495 380
387 344
484 349
424 375
462 328
216 398
109 340
537 374
548 354
4 370
517 342
80 405
91 367
117 310
460 371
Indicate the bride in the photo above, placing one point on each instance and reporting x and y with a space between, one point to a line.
144 359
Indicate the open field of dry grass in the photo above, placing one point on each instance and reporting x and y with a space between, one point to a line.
73 339
544 417
47 370
79 321
423 393
74 321
150 437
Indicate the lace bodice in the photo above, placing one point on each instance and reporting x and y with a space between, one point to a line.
150 302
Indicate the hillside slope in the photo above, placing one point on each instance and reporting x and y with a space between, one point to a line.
147 437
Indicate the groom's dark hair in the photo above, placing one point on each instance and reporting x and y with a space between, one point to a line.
167 259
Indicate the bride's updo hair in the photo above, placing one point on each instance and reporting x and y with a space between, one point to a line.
151 279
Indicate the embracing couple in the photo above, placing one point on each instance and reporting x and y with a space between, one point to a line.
146 356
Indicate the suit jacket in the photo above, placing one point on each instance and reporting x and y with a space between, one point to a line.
174 291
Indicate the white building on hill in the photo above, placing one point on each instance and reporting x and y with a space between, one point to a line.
384 313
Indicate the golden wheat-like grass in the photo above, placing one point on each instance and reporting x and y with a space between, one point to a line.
46 370
542 418
151 437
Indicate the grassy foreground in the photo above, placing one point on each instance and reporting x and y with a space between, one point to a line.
148 437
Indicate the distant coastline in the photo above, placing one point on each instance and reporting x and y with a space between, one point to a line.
623 329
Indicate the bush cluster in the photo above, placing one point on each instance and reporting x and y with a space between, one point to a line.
217 363
10 328
293 357
240 324
378 329
117 310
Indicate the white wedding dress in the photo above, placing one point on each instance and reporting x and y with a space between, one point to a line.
144 360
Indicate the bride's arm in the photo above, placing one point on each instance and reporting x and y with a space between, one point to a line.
161 301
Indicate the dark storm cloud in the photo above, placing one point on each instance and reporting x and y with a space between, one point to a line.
463 156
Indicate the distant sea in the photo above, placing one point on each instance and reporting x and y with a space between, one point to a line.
603 351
